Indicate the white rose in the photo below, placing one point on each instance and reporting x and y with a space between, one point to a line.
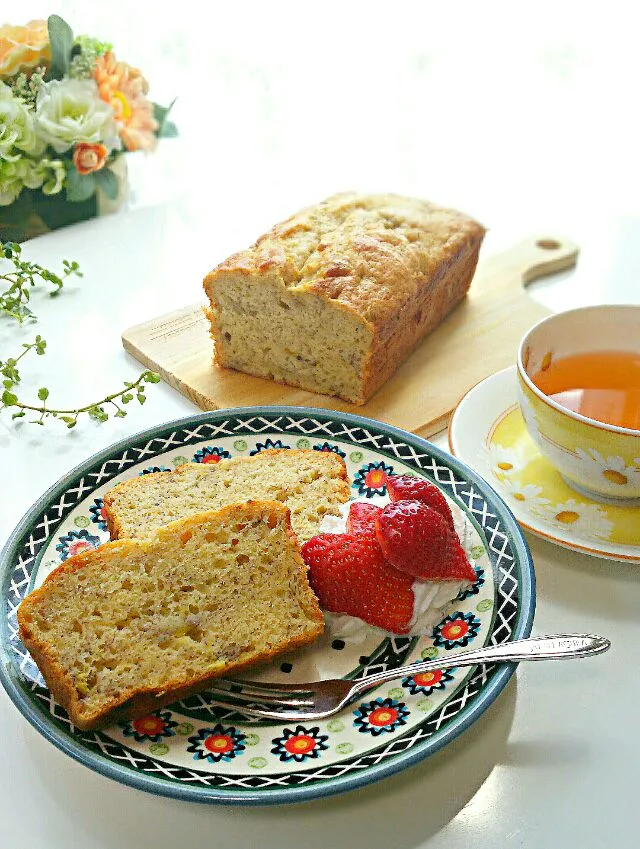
70 111
17 127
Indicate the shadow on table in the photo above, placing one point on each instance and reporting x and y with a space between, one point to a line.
594 586
401 811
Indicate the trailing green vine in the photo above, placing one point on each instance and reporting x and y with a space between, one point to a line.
13 304
23 276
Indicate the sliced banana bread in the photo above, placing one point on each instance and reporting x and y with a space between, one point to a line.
119 631
310 483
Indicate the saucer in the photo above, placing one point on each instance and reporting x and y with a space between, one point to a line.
488 433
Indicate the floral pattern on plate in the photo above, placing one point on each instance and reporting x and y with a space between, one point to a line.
211 454
300 744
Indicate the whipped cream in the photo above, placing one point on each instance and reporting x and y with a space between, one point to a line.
432 599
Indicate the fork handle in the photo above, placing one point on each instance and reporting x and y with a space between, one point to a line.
556 647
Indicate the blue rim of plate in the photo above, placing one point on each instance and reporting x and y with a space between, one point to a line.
495 681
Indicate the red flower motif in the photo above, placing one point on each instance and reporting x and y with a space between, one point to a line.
149 725
211 458
300 745
428 679
375 479
455 630
219 744
77 547
382 716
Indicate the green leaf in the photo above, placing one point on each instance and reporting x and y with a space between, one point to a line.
18 415
8 398
71 424
166 129
152 377
43 393
120 414
61 38
108 182
169 130
80 187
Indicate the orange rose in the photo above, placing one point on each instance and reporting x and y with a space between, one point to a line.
22 48
89 157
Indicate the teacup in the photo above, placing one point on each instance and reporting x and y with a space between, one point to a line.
597 459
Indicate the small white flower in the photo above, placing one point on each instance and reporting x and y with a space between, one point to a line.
503 461
529 417
70 111
588 520
527 495
613 469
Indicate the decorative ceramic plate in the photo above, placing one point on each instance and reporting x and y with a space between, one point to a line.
487 431
196 751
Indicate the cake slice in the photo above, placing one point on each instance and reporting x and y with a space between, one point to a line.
312 484
131 626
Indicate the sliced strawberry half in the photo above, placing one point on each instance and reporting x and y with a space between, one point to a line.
362 519
349 575
458 568
410 488
417 539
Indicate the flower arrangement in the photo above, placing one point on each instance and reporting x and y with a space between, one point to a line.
69 110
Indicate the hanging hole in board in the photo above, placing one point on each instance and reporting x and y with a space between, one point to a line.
548 244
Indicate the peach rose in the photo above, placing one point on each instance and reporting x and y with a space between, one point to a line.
23 47
89 157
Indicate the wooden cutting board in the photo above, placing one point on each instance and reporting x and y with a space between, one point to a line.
480 337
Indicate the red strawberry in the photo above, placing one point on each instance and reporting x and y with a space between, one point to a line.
362 519
459 567
414 538
410 488
417 540
350 575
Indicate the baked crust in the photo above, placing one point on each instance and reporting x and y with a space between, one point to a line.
397 264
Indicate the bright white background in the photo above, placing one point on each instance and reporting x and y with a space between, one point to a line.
524 116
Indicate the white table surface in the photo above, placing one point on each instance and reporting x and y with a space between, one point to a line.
524 118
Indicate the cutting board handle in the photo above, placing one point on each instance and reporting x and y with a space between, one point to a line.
535 257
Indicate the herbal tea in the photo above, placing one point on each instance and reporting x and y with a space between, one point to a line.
602 385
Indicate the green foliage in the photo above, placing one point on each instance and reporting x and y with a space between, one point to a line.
26 87
79 187
166 128
97 410
12 304
84 53
13 300
107 181
61 39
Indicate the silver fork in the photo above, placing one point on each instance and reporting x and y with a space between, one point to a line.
319 699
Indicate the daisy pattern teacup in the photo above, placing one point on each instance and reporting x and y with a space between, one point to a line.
579 392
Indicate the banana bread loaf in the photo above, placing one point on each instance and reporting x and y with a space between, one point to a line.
311 484
334 298
131 626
